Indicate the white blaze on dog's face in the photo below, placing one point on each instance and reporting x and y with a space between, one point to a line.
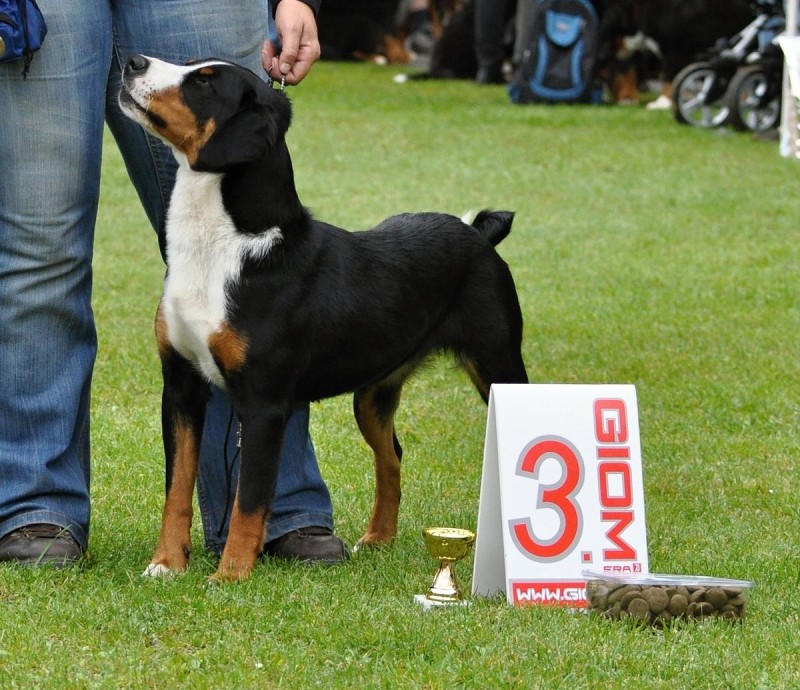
190 107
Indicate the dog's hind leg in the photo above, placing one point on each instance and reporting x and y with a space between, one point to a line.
374 409
504 365
489 341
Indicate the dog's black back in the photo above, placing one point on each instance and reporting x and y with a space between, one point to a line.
430 270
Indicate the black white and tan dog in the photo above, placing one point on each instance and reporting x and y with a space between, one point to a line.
276 307
682 30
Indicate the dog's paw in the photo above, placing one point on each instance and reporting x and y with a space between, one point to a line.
373 541
661 103
362 547
157 570
222 576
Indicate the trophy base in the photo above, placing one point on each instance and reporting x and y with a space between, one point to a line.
428 604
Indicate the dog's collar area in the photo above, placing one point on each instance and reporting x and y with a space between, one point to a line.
271 81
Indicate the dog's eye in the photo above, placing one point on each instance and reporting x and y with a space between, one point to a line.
202 77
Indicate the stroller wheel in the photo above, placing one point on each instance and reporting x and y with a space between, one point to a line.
755 99
698 96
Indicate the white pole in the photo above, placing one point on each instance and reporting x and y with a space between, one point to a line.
788 141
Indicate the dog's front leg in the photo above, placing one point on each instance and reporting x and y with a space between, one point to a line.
182 414
261 438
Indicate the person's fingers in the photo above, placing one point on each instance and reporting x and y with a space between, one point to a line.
269 59
300 47
298 70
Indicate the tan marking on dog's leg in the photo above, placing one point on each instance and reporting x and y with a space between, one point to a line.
228 347
472 371
245 542
396 51
379 435
625 87
162 334
174 543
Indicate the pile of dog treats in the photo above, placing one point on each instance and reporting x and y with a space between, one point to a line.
660 604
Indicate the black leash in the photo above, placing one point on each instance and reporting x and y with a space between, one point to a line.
229 464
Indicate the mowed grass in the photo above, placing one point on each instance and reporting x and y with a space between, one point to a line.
644 252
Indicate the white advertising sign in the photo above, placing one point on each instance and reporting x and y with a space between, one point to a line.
561 491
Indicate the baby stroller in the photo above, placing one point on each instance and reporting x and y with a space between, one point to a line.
754 94
699 90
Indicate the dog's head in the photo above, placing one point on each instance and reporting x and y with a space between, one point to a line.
213 112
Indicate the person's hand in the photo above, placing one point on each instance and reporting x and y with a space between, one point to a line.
297 28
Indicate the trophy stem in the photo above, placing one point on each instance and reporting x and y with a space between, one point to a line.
444 587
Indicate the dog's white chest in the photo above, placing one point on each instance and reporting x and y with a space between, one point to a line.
204 257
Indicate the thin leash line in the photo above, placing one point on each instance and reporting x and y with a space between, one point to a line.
229 464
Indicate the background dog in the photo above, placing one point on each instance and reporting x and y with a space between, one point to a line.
682 30
277 308
363 30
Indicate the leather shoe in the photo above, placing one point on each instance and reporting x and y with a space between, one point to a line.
311 545
490 73
40 544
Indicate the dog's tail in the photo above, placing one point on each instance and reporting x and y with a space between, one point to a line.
493 225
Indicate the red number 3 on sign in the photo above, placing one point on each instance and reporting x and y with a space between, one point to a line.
560 497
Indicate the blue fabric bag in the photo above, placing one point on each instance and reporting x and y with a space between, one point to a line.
558 63
22 31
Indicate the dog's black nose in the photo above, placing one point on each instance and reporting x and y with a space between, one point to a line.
137 63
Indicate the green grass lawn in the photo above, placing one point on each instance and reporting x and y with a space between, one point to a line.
644 252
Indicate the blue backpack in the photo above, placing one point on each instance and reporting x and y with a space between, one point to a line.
558 63
22 30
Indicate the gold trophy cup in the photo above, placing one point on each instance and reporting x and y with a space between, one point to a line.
447 545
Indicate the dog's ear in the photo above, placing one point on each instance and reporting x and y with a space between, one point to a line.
248 133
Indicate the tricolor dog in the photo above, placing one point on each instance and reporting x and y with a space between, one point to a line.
278 308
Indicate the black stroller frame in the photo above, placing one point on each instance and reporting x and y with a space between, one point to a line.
738 82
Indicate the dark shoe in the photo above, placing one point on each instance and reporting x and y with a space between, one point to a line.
490 73
40 545
312 545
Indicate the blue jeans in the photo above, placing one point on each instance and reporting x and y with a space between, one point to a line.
50 150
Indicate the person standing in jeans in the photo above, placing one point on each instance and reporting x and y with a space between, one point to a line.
50 145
